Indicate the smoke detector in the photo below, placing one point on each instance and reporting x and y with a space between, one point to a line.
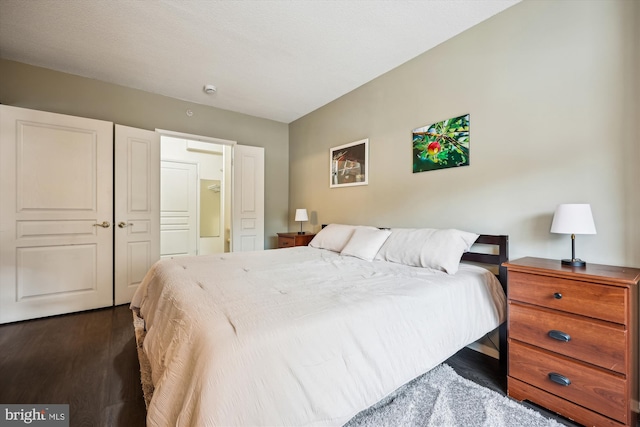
210 89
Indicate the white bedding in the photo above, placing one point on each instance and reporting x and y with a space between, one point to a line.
300 336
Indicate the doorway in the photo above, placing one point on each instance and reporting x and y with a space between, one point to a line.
195 194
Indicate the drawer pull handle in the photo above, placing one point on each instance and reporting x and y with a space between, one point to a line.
560 336
557 295
559 379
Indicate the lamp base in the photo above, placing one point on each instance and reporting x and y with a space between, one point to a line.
302 232
575 262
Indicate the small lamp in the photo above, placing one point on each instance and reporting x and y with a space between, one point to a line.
301 215
573 219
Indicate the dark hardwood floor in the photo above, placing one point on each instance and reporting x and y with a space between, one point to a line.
89 361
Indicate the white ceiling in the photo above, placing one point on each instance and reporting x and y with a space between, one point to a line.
274 59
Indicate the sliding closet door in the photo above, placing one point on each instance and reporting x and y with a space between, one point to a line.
137 208
56 199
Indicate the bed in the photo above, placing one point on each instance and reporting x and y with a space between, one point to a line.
312 335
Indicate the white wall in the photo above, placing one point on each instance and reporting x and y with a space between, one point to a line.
552 92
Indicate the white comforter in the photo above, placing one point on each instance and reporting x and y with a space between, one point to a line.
299 336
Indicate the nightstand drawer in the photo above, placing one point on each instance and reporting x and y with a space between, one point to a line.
286 242
289 240
589 387
585 298
596 342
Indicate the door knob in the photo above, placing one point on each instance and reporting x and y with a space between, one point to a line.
105 224
123 224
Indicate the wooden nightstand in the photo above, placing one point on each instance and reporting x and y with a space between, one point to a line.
289 240
573 339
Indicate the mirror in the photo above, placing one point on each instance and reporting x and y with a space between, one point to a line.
209 208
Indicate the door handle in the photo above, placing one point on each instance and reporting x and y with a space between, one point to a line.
123 224
105 224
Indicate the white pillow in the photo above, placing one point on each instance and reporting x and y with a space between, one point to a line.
427 247
403 247
333 237
365 243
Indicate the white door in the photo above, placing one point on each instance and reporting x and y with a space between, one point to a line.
137 208
56 208
178 209
247 227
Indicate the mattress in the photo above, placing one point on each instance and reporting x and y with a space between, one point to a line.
300 336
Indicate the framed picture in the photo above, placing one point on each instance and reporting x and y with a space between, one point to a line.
349 164
441 145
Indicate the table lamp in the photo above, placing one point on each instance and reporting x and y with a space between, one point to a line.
573 219
301 215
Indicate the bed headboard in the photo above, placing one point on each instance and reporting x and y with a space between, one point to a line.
501 244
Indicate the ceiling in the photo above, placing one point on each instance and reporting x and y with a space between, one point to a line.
276 59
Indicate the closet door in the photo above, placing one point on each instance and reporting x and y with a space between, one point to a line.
248 199
56 209
137 208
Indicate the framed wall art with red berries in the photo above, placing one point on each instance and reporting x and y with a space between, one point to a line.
441 145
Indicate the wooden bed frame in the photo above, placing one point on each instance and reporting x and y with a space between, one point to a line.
499 244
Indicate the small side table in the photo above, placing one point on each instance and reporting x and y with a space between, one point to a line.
289 240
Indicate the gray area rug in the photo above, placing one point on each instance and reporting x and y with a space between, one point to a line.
442 398
439 398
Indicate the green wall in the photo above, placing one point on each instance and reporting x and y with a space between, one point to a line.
552 89
23 85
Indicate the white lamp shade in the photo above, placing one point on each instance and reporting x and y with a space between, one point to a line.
573 219
301 215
